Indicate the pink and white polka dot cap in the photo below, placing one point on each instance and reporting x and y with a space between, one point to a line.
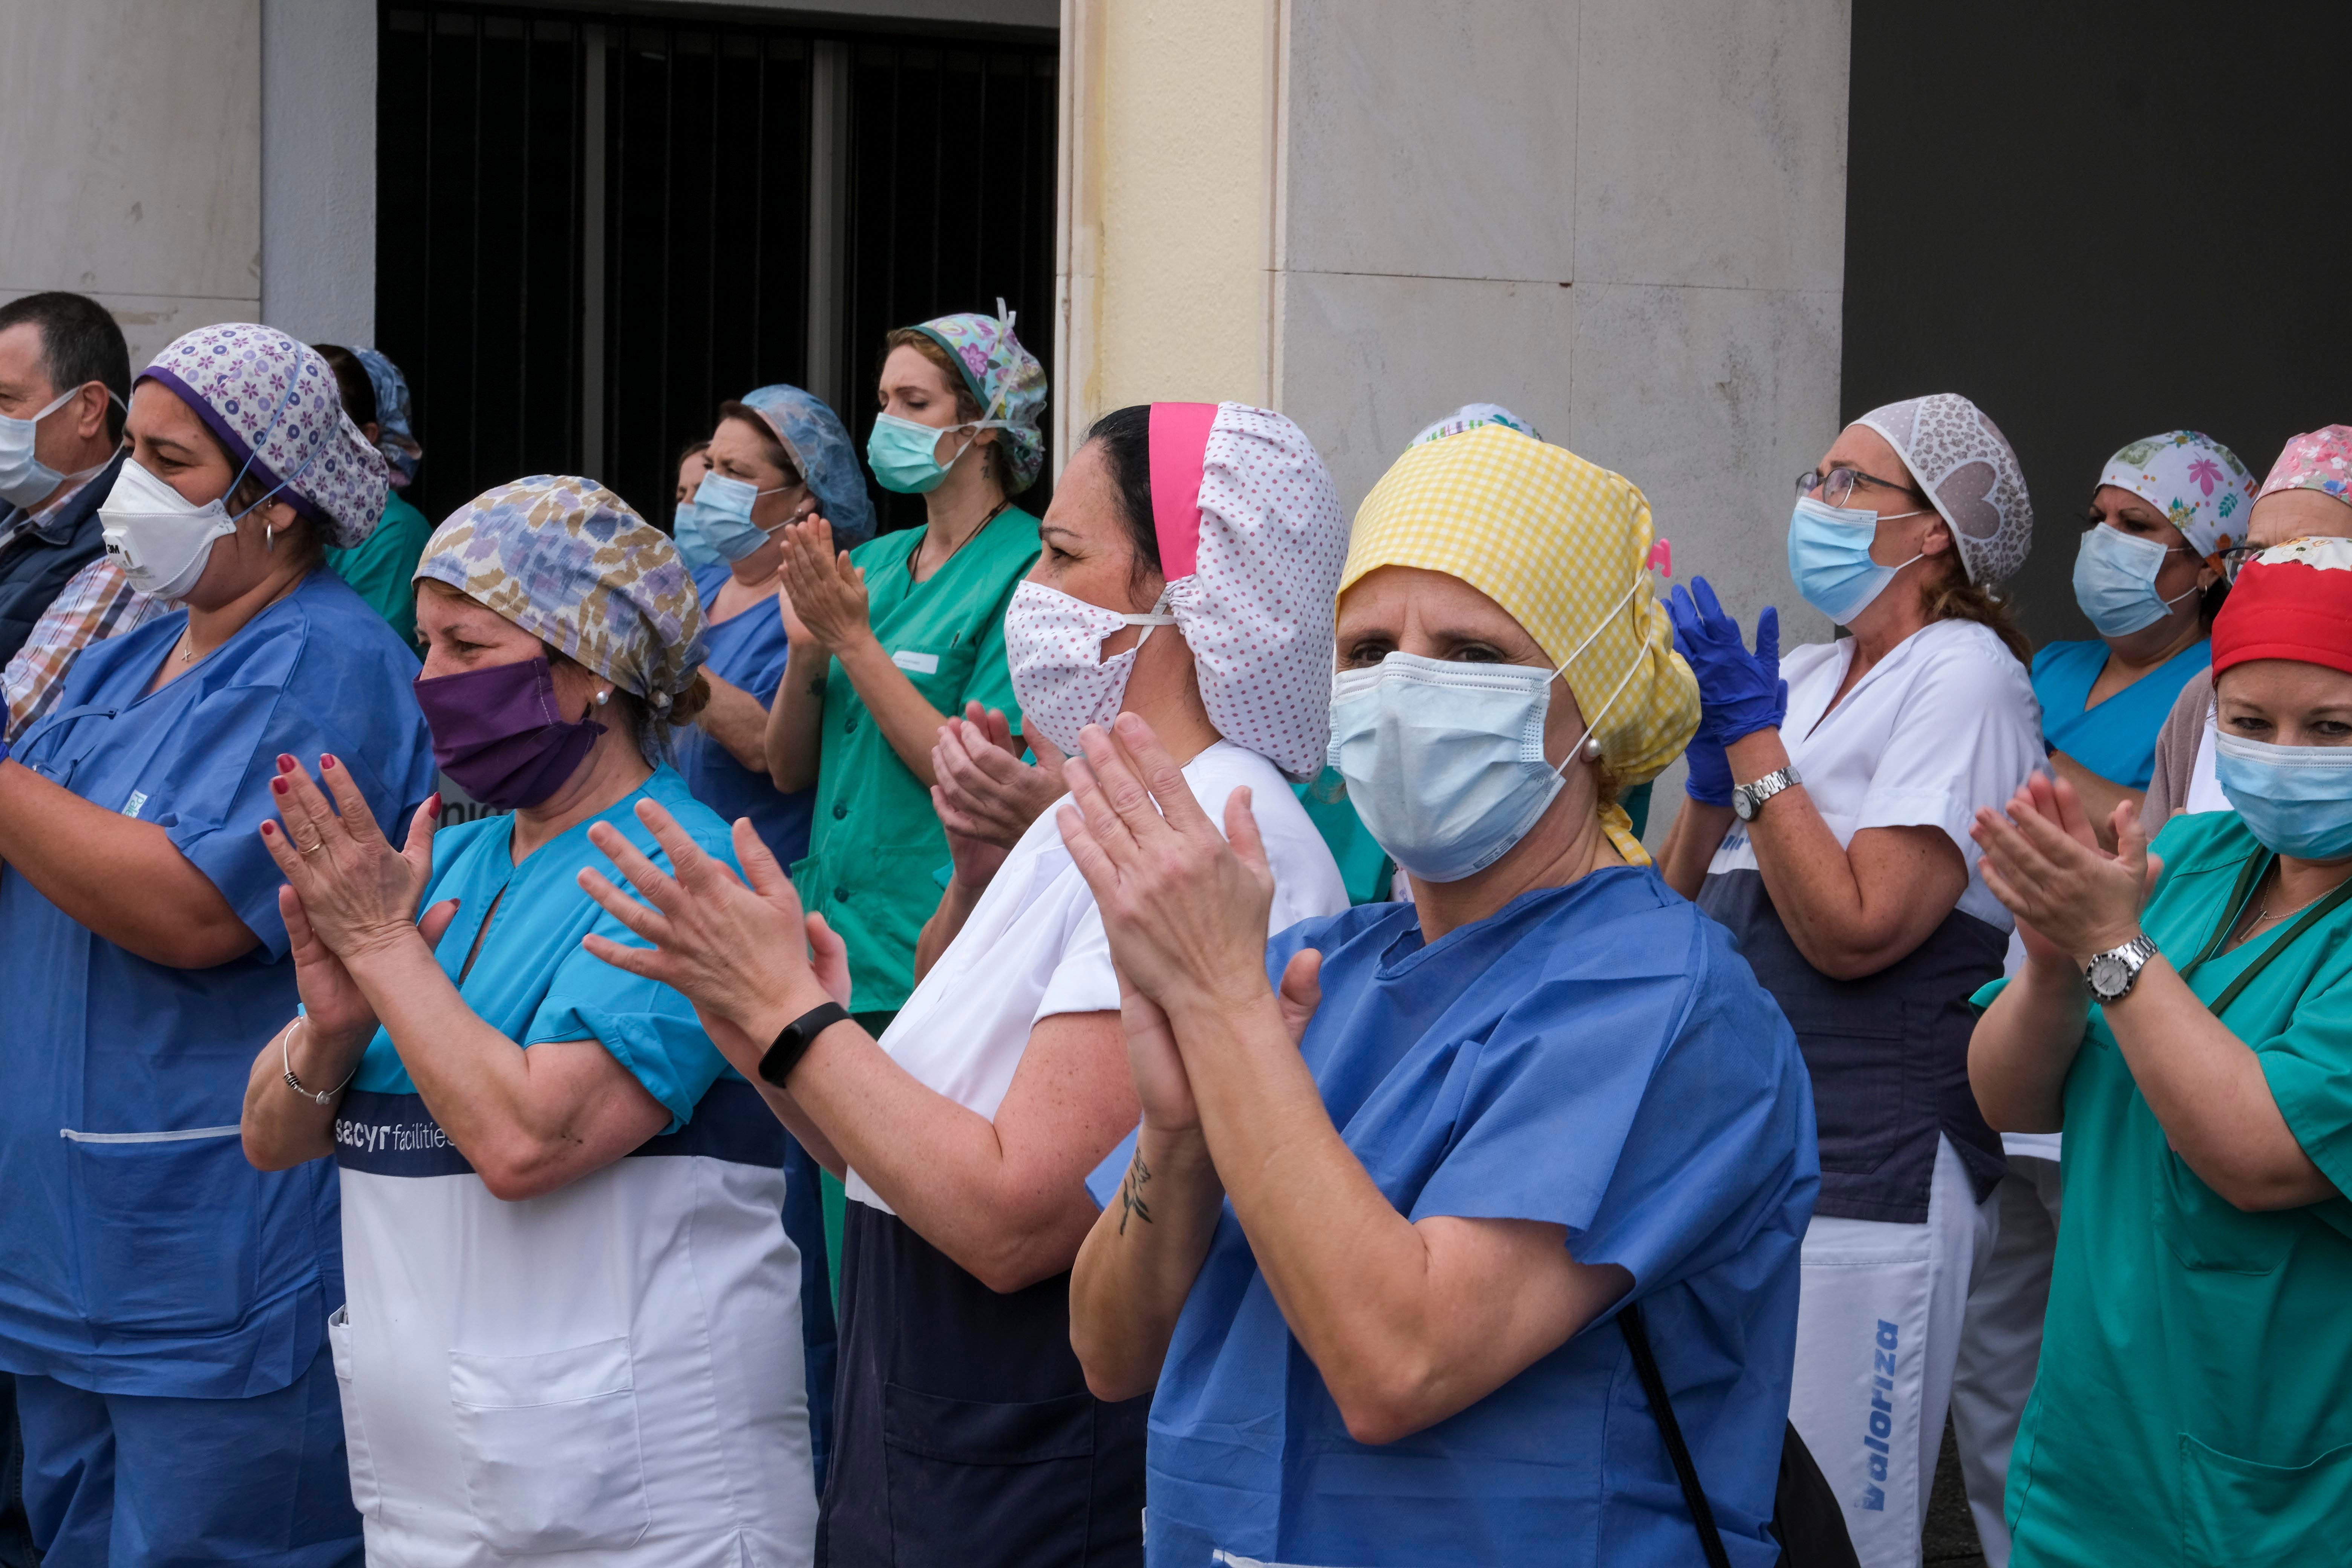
1251 540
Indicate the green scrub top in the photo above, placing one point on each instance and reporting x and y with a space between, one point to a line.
876 839
381 568
2190 1405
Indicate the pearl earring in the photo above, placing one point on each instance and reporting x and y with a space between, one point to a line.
603 697
1590 751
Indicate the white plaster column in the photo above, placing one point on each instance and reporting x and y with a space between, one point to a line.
318 169
133 166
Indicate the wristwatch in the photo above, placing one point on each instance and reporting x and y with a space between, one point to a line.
2114 972
1749 799
794 1039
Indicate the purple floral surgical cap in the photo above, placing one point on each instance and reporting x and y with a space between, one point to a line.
1964 463
568 561
274 406
1004 378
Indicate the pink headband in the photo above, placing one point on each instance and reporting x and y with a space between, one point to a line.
1180 443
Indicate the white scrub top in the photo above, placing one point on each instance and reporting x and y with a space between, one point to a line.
1035 945
1946 722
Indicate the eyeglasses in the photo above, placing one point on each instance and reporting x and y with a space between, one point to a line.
2235 559
1838 484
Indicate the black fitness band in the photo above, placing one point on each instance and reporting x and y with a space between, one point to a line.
793 1041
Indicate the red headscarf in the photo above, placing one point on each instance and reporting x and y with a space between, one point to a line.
2294 601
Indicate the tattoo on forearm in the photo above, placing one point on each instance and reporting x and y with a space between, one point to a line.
1130 1193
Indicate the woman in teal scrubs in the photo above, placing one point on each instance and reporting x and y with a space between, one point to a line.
2194 1042
573 1318
1397 1167
2148 577
164 1304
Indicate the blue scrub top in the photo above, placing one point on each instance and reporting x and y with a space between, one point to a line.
1595 1056
746 651
533 982
2117 739
167 1266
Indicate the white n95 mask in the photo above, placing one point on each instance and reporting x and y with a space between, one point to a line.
1054 645
160 538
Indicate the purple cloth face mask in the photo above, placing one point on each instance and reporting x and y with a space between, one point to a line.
497 732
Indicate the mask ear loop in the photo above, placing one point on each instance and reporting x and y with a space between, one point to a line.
253 454
1561 674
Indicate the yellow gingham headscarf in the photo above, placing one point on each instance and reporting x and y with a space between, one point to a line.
1556 542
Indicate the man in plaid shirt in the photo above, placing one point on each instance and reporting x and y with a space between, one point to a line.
65 375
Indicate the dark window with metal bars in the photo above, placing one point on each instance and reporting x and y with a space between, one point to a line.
592 231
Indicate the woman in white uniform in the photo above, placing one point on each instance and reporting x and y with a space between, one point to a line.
1190 562
1828 827
573 1316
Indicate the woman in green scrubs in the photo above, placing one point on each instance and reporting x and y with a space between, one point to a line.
898 635
2198 1054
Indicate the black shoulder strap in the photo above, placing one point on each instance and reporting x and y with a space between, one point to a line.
1645 1366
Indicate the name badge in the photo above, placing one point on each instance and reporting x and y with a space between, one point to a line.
136 803
915 663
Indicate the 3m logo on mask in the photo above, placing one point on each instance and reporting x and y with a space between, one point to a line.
1882 1414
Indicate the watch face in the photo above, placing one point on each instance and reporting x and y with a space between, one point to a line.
1743 805
2109 975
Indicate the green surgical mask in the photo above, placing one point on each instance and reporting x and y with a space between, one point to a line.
902 453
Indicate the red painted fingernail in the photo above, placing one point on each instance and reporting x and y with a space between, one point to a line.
433 803
268 828
285 764
279 784
325 762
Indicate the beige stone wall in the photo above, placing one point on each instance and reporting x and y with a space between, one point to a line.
133 166
1624 219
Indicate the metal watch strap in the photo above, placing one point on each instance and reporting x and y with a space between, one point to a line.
794 1039
1756 792
2132 957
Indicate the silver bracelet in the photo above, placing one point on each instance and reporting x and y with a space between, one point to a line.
286 1060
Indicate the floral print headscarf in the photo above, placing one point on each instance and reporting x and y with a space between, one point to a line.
568 561
2197 483
274 406
1004 378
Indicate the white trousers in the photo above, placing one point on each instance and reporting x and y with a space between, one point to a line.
2000 1342
1878 1329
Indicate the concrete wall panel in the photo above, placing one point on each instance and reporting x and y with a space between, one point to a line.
1432 140
1368 361
134 155
1711 143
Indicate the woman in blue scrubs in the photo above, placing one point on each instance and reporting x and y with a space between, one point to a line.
164 1304
2147 576
776 455
573 1324
1399 1166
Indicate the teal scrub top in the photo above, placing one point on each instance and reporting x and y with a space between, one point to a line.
2190 1405
381 568
533 981
2115 738
875 840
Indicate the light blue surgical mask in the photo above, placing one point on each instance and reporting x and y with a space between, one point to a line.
1445 761
722 513
2115 581
692 535
904 455
1829 557
2298 800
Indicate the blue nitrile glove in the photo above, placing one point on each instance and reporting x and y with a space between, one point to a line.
1709 783
1739 692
